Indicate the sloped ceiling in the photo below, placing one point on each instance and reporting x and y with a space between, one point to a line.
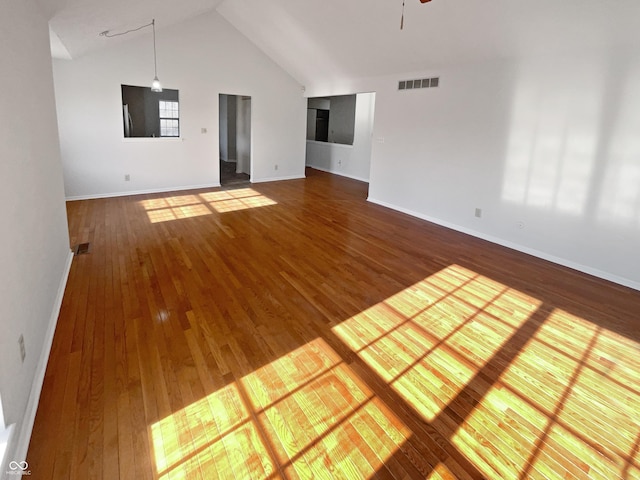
338 39
75 25
335 39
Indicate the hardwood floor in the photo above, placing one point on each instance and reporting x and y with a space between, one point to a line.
293 330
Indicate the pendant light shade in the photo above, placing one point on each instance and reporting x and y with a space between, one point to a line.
155 85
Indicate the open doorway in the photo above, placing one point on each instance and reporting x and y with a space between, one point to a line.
235 139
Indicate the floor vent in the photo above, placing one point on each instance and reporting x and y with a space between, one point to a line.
81 249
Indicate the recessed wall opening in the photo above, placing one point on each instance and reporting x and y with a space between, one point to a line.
340 134
235 139
331 119
150 114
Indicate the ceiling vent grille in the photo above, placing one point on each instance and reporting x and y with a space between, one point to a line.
419 83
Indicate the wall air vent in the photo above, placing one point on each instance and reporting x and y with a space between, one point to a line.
419 83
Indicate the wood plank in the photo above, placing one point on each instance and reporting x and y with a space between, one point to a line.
322 336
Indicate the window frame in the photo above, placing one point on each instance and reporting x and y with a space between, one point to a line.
167 115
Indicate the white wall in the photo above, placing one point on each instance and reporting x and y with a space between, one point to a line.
311 123
232 127
201 58
342 119
227 124
243 143
348 160
548 141
34 245
319 103
223 126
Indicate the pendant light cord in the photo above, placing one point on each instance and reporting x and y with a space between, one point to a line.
402 17
155 86
108 34
155 62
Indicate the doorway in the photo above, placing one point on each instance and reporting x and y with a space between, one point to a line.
235 139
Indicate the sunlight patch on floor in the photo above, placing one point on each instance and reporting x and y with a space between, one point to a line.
296 412
188 206
239 199
426 353
514 384
568 404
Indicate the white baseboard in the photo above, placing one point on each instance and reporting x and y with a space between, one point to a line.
172 189
141 192
342 174
514 246
26 427
277 179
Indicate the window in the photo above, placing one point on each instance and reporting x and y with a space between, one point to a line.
169 119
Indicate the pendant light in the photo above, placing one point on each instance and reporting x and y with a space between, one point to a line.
155 86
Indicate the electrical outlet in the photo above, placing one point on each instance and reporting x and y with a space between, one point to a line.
275 167
339 163
23 352
478 212
127 177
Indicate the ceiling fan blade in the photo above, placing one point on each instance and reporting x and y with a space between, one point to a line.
424 1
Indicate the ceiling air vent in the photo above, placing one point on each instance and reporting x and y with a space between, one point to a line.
419 83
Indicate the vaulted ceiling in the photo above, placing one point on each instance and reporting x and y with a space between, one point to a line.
75 25
361 38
